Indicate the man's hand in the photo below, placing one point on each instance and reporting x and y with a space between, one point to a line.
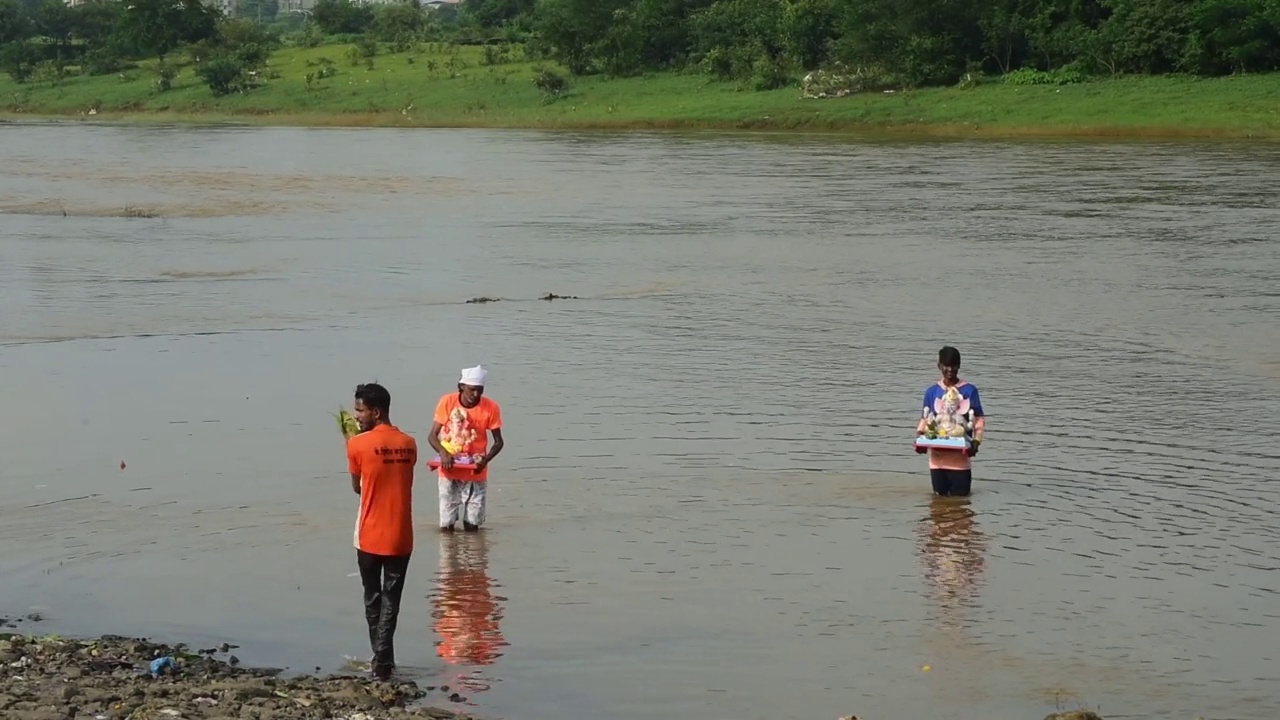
446 460
972 450
480 464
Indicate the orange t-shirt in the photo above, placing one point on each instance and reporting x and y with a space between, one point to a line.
384 458
467 429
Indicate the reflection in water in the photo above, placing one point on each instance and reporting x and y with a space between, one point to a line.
466 612
953 548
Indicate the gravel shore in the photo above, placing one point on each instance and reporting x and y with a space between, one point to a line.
119 678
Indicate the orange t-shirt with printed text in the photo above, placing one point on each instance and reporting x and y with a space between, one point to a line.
383 458
467 428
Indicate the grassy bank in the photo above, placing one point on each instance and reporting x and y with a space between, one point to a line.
433 87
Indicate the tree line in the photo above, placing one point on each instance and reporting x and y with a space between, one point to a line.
896 42
907 42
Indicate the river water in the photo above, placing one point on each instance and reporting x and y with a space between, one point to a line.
708 506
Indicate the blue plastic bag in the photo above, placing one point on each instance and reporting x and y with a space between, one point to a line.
159 665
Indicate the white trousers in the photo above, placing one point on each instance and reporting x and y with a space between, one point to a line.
463 499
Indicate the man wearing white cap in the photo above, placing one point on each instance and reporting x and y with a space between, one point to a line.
460 433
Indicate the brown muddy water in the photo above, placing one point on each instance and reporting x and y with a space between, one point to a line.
708 506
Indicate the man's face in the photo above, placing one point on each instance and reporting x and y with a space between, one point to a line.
950 373
366 416
469 395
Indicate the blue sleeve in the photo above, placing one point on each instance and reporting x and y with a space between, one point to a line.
975 404
927 406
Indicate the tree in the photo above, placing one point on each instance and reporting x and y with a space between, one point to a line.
1006 27
96 21
572 30
56 21
399 22
223 75
1143 36
342 16
733 35
19 59
15 23
808 28
1235 35
158 27
495 13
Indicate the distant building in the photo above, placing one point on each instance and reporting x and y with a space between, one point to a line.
306 6
226 6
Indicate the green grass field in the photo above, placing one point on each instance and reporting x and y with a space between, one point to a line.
422 90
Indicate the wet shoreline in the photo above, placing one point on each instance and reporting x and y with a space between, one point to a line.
112 677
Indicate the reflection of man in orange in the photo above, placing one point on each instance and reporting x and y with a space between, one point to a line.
466 613
952 549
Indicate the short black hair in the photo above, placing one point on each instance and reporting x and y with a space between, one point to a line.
949 357
374 397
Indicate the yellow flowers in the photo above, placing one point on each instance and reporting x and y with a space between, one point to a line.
931 430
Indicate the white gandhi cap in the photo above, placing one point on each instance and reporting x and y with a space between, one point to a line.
474 376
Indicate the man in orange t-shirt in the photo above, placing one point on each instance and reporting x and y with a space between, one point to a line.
460 434
381 460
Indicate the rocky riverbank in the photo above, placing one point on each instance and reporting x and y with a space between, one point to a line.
119 678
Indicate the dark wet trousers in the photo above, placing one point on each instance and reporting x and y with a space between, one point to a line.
951 483
383 579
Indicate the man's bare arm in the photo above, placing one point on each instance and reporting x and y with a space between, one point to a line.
493 450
